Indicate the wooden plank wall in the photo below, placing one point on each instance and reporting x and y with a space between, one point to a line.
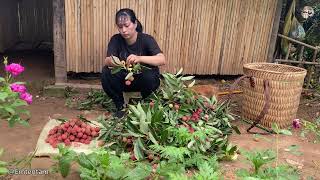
202 36
8 24
36 20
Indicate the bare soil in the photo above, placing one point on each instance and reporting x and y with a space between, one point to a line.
20 141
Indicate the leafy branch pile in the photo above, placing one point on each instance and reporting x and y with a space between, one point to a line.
174 134
175 125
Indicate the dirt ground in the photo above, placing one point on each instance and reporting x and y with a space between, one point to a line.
19 141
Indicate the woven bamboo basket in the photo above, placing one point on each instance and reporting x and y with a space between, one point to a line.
285 86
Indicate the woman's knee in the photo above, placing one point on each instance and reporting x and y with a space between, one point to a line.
105 71
152 80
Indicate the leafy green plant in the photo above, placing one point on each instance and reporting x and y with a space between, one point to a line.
100 165
208 168
69 94
97 98
259 159
3 165
13 96
63 160
311 127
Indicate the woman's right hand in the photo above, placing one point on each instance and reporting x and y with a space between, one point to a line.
108 61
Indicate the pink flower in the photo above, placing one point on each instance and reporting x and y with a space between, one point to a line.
14 69
296 124
26 97
18 88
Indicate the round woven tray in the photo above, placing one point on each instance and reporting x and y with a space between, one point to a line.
285 86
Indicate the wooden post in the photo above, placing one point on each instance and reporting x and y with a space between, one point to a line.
274 33
311 68
59 41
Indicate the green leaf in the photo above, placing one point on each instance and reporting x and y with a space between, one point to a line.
157 116
3 95
20 83
152 138
9 109
285 132
133 127
3 171
65 160
137 151
24 123
143 125
18 103
140 143
84 161
275 128
23 111
135 134
187 78
236 129
230 117
64 166
2 163
134 110
2 79
115 70
11 122
142 171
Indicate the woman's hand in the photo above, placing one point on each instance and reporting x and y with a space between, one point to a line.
108 61
155 60
133 59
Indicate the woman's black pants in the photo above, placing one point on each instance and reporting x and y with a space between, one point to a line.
114 84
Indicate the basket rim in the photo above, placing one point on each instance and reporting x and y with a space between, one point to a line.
251 66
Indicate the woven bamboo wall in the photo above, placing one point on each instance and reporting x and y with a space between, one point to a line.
8 24
36 20
202 36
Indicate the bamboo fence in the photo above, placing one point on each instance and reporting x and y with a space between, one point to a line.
201 36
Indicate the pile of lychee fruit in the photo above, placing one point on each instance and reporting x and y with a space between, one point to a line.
73 130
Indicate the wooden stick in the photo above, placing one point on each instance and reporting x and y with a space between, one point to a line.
227 92
288 53
297 62
296 41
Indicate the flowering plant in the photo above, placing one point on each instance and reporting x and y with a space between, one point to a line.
13 95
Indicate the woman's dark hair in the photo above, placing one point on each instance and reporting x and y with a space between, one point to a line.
132 15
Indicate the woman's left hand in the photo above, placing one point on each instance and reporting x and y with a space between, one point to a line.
133 59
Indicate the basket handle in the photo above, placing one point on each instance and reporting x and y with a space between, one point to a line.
266 95
265 107
236 83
